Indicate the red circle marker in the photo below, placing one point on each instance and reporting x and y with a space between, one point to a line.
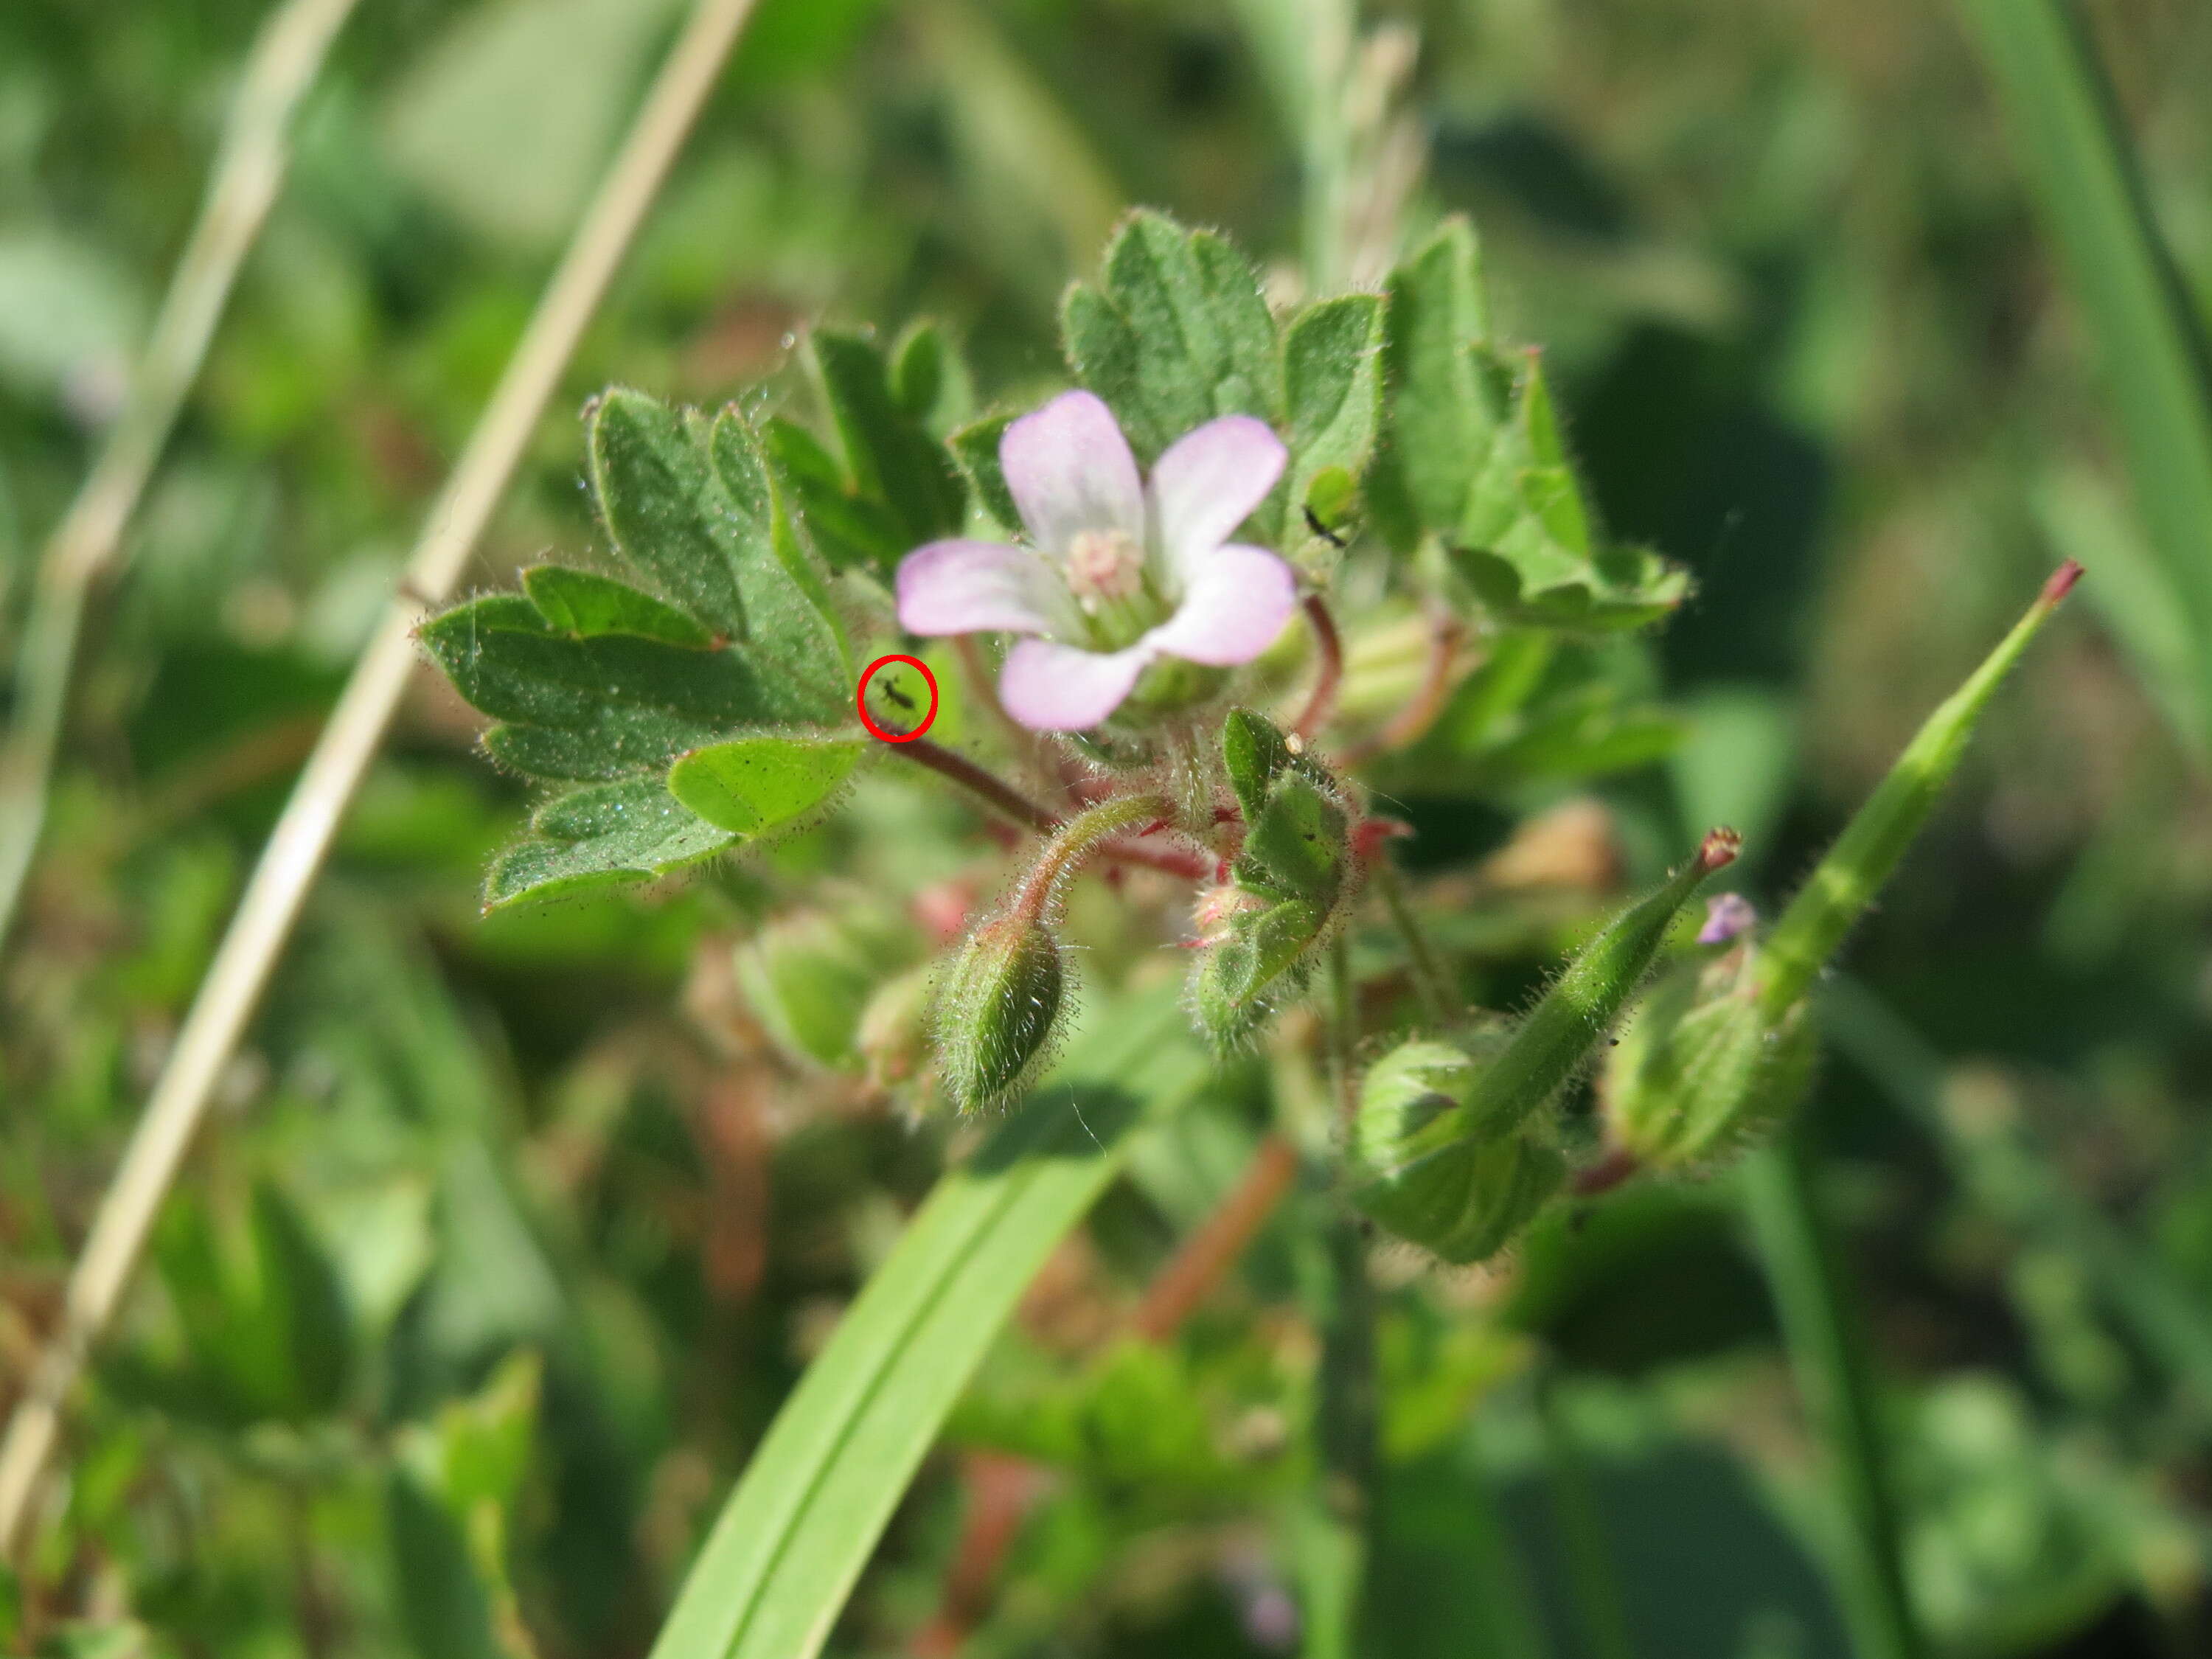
860 699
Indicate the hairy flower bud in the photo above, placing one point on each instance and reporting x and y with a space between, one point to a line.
996 1009
1423 1168
808 976
999 1002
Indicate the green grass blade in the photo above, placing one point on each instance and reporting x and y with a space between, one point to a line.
1828 1356
793 1537
2077 158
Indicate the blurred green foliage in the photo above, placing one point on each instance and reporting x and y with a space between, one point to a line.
513 1235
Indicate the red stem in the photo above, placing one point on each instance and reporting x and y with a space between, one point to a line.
1196 1270
1330 646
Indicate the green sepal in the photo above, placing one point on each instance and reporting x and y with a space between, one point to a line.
997 1008
1298 847
1699 1070
1262 960
1420 1164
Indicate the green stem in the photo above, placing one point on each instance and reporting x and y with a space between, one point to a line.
1076 841
1592 1569
1432 983
1826 1349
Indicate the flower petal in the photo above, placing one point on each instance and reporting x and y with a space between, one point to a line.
1208 483
1235 601
1069 469
1049 687
967 587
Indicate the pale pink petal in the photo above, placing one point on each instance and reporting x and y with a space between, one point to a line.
966 587
1048 687
1208 483
1070 470
1235 601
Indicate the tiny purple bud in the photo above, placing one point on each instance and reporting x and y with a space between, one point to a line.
1727 916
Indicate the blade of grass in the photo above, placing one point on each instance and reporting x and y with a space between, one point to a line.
249 169
1593 1567
792 1540
2081 169
287 869
1828 1355
2006 1177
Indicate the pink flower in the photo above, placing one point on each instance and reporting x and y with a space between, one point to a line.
1120 571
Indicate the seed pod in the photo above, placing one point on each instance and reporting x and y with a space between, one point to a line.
1699 1070
1561 1033
1724 1049
996 1008
1421 1166
1865 855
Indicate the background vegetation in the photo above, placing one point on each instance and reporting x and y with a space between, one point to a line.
510 1235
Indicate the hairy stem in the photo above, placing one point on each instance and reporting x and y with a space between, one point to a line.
1009 801
1185 861
1411 723
302 835
1432 982
84 547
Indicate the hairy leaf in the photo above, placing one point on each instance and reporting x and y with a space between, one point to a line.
1444 403
1176 333
1333 387
890 460
750 785
601 836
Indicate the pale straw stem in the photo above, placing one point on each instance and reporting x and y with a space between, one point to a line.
302 835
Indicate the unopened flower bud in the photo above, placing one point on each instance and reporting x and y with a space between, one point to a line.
1423 1167
997 1008
808 975
893 1038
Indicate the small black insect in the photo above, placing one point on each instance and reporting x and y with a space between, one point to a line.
1314 524
896 695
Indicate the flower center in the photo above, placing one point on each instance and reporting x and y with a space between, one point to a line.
1106 574
1104 567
